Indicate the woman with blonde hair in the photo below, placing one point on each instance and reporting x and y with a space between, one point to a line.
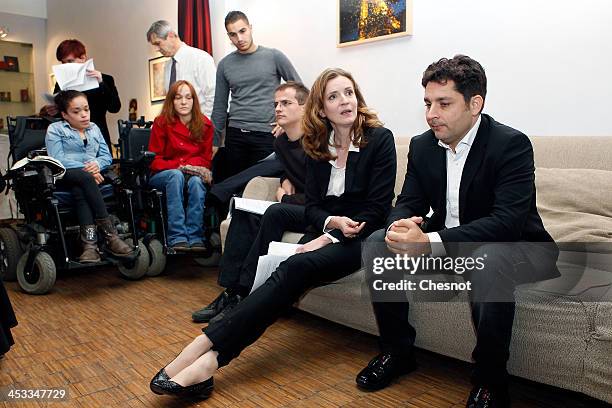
350 176
181 139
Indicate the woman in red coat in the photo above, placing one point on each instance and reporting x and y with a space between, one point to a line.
181 138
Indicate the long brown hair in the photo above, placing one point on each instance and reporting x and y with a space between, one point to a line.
317 128
196 125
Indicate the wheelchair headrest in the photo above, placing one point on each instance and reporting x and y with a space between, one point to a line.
57 169
26 134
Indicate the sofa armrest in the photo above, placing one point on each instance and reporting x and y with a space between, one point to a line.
262 188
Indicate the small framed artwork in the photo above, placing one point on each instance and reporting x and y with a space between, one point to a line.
157 69
52 82
12 64
363 21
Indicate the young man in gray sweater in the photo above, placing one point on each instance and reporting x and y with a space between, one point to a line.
252 74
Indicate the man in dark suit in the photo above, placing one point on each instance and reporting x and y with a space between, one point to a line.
477 176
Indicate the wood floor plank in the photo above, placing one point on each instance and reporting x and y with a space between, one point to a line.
103 338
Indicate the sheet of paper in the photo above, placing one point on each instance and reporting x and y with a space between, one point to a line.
251 205
73 76
282 248
266 265
50 99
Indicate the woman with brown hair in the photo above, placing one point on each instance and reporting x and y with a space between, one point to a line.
181 138
350 176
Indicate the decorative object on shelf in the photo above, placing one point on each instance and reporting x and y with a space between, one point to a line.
24 95
361 21
12 63
157 89
133 110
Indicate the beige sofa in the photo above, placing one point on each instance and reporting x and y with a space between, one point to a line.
561 336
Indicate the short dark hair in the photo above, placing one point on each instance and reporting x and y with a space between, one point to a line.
301 92
234 16
63 98
67 47
467 74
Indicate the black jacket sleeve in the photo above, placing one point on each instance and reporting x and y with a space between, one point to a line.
110 94
412 199
513 192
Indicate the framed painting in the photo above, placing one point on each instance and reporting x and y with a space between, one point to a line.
157 68
362 21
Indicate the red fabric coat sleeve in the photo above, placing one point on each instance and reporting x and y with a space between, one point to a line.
203 157
159 144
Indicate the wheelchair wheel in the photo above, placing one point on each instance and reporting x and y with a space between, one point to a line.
10 252
137 268
42 277
157 258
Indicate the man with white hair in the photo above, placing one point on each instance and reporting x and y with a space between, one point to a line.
191 64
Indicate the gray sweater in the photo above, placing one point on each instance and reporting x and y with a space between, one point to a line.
252 79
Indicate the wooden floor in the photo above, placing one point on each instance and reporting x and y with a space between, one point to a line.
104 337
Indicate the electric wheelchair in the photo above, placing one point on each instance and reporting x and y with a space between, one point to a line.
32 249
149 203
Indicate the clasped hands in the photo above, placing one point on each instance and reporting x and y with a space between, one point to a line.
93 168
405 237
349 228
204 173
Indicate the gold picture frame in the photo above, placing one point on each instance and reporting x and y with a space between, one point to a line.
157 86
364 21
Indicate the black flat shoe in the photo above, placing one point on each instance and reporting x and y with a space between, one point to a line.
201 390
483 397
383 369
160 376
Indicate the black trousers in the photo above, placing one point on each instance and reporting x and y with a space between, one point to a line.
248 238
245 148
89 204
492 319
249 320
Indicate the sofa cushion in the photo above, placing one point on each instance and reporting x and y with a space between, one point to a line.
576 207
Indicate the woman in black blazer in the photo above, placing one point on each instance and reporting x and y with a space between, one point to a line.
350 176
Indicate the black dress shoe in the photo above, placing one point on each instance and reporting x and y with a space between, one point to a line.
231 303
383 369
214 308
201 390
483 397
160 376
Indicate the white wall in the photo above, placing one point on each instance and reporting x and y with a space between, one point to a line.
32 8
31 30
537 54
114 32
547 61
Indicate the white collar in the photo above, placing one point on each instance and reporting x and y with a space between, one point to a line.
468 139
180 52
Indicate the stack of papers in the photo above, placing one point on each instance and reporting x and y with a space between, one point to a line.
250 205
267 264
73 76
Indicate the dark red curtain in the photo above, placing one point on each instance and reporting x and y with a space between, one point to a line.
194 24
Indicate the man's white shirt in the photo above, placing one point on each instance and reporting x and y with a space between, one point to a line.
198 68
455 162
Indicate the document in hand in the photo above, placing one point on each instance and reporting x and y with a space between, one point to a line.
73 76
267 264
250 205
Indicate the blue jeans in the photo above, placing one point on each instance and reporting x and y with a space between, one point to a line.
182 227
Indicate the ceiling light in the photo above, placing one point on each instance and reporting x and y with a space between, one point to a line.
3 32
